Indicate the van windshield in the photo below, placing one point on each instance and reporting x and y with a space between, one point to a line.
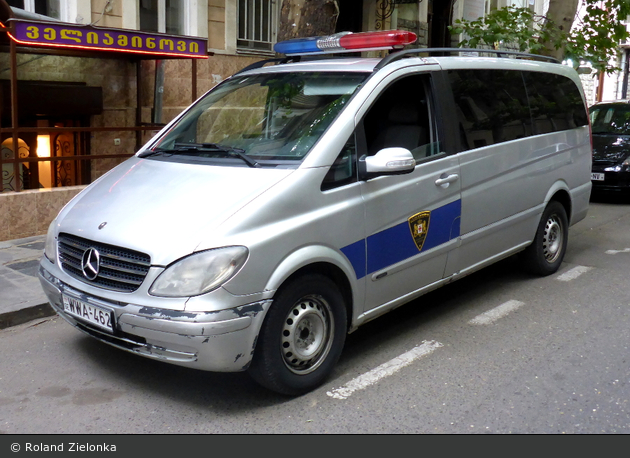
266 119
611 119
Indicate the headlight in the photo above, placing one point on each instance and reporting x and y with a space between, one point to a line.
50 250
200 272
626 165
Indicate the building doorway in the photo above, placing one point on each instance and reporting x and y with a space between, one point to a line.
350 16
439 17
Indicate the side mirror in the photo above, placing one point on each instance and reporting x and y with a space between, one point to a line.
388 161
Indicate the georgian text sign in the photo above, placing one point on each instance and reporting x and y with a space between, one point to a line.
64 35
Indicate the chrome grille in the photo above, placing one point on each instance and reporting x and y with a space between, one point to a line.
120 269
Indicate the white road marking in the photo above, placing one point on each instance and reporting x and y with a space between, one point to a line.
574 273
498 312
627 250
390 367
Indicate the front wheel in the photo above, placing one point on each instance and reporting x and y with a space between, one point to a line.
302 336
545 254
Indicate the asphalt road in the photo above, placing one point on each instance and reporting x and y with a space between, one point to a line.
505 353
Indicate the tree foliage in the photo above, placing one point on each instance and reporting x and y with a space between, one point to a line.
594 37
511 26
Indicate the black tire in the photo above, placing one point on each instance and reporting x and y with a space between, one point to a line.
301 337
545 254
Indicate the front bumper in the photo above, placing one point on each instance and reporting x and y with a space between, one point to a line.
613 181
221 341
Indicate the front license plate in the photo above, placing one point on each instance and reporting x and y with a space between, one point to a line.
597 176
97 316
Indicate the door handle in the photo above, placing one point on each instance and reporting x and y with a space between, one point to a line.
446 179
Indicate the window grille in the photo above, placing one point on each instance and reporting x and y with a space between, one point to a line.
257 25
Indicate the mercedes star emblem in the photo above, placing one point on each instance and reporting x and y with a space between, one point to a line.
90 263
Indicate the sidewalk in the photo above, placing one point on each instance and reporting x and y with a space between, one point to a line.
21 296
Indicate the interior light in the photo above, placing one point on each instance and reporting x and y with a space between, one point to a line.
346 42
44 167
43 146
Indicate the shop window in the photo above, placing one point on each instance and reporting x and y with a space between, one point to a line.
9 182
47 173
46 7
70 172
163 16
257 25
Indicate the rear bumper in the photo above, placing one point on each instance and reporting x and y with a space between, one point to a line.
221 341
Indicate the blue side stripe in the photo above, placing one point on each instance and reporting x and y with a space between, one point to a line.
356 255
396 243
444 225
390 246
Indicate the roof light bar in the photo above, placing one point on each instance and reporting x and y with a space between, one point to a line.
346 42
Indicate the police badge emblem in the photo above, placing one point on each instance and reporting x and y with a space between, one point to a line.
419 226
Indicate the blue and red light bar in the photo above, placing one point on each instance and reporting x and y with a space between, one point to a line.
346 42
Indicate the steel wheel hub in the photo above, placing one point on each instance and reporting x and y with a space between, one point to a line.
552 239
307 335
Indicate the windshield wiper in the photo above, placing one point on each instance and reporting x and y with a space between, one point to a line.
229 150
152 152
205 148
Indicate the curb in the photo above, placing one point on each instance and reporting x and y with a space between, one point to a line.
22 316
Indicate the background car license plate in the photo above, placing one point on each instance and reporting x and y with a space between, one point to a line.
97 316
597 176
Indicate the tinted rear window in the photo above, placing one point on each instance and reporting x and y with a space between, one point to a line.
555 102
495 106
492 106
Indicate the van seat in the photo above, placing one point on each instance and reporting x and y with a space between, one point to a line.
401 128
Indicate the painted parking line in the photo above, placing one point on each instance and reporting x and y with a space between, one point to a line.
496 313
625 250
386 369
574 273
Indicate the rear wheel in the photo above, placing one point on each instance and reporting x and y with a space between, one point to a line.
302 336
545 254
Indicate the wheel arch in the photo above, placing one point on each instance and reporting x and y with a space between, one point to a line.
318 260
560 193
335 274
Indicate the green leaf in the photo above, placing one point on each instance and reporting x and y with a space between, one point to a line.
595 38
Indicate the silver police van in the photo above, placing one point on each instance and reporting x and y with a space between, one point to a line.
294 202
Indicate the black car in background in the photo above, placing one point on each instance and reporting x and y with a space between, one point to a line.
611 146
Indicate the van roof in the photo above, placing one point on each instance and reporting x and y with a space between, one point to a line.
371 65
328 62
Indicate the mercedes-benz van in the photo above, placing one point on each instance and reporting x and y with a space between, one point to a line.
294 202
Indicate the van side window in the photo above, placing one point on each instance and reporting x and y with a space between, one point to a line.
491 106
400 117
344 169
555 102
